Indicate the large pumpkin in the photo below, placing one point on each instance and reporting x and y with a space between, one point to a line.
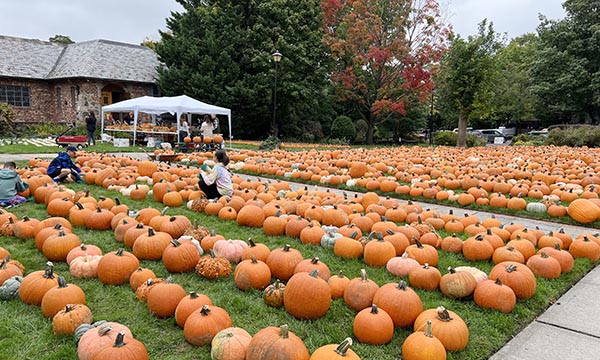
307 296
35 285
401 303
115 267
373 326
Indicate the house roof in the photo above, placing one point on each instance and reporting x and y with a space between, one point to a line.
98 59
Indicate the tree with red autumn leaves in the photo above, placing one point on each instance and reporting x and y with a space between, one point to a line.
385 53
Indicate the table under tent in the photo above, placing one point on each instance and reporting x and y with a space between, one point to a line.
155 106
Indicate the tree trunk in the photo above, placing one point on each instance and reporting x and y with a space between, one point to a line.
370 129
461 140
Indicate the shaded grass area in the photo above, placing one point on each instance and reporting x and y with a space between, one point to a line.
26 334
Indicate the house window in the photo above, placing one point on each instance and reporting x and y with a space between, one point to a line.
18 96
58 98
73 97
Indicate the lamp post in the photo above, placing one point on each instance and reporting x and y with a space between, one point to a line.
274 128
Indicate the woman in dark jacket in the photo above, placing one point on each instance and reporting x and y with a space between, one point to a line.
90 121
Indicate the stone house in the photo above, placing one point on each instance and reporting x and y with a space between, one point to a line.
46 82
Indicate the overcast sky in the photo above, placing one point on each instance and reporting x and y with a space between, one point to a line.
131 21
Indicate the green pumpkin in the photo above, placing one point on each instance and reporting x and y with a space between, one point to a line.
328 240
536 207
83 328
10 288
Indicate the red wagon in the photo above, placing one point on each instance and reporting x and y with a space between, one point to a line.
64 140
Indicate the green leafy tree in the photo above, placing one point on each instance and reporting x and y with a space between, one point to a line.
384 53
61 39
343 128
566 73
220 52
466 75
513 101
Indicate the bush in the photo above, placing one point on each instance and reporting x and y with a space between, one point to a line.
343 128
361 127
449 138
7 117
581 136
270 143
524 139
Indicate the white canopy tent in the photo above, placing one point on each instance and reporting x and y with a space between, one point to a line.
176 105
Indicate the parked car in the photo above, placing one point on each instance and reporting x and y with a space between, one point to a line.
541 133
493 135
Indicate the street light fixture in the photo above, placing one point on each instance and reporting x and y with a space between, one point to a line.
276 59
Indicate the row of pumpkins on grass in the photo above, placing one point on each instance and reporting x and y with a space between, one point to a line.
509 269
179 184
202 322
486 185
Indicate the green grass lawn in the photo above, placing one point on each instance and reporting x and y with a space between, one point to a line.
26 334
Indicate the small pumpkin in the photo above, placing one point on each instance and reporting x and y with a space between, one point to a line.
252 274
273 294
202 325
457 284
276 342
10 288
67 320
212 266
423 345
335 352
230 344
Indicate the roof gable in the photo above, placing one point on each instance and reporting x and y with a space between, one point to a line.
98 59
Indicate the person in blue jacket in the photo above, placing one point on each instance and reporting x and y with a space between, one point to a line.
10 185
63 169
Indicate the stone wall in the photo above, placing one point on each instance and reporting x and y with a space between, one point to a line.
68 100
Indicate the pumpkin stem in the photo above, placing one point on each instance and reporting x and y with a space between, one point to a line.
498 281
62 283
418 242
284 334
151 231
212 253
363 275
544 255
253 259
251 242
428 332
314 273
557 246
120 252
119 341
402 285
511 268
443 314
374 309
175 243
314 260
193 295
343 347
286 247
205 310
117 201
451 270
49 272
